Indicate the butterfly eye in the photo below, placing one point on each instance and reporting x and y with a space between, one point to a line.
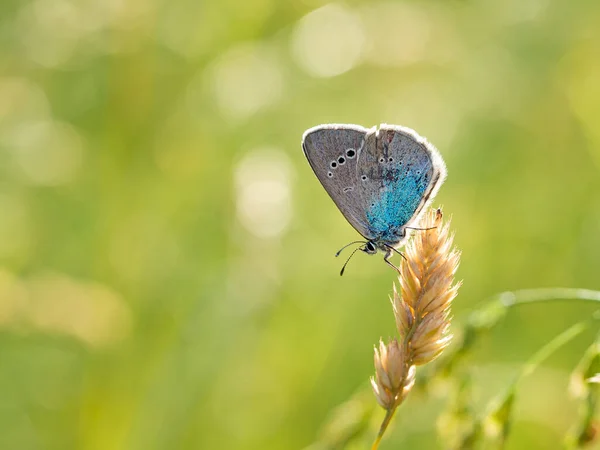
341 160
350 153
333 164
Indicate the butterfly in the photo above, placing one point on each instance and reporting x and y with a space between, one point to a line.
381 179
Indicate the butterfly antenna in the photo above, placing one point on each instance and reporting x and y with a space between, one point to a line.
346 263
348 245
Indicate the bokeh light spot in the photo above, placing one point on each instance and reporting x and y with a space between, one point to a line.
20 101
52 31
328 41
57 304
246 79
264 192
398 33
48 153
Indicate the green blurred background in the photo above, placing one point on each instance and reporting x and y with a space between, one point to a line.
167 278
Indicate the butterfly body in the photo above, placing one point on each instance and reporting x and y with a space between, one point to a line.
380 179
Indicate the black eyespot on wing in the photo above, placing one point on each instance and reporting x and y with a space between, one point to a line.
381 160
333 164
350 153
329 174
341 160
391 159
364 178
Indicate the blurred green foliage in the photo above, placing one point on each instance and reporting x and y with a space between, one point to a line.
167 277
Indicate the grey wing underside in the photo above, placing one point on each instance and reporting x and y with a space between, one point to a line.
323 146
358 184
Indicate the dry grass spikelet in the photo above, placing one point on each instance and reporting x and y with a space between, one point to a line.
427 288
422 312
392 381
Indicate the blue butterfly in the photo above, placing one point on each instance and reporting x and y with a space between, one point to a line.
380 179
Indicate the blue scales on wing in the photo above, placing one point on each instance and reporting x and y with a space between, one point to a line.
380 179
397 202
401 172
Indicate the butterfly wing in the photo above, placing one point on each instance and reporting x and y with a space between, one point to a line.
333 152
381 180
403 172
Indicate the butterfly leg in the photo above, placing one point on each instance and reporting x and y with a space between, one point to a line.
386 258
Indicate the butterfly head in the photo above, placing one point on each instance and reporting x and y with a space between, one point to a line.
370 248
